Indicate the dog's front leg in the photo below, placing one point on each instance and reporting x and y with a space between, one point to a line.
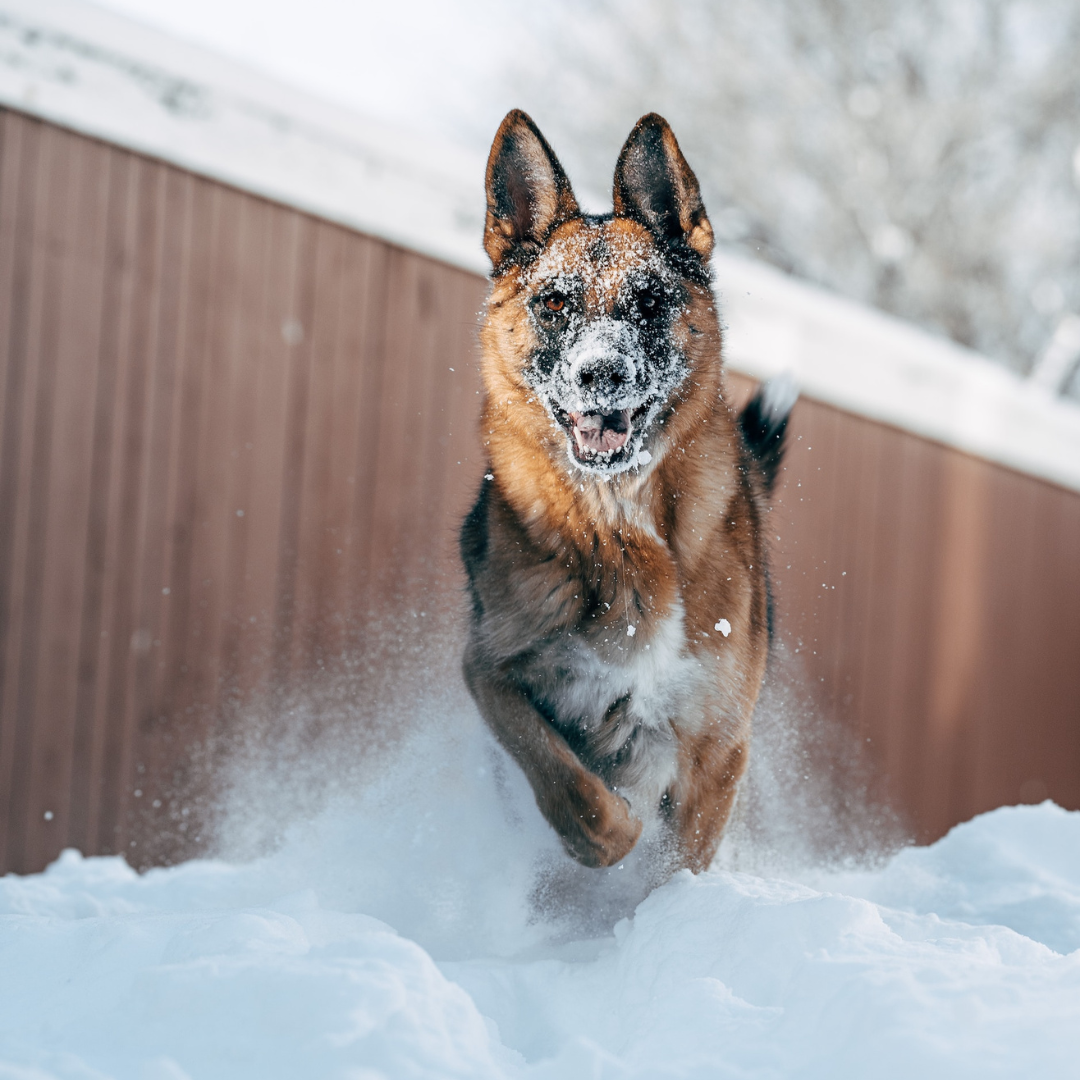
702 797
594 823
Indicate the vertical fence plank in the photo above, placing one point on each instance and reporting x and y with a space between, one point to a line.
34 745
130 637
77 195
19 147
295 326
109 273
367 331
325 540
108 553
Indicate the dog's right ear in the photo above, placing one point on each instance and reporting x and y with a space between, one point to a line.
528 193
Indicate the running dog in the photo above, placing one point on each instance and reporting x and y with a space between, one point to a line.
616 554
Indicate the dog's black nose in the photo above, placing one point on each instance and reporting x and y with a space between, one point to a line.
605 376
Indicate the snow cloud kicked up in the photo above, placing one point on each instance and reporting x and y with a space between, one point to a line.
423 922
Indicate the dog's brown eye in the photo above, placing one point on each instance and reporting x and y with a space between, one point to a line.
555 302
648 304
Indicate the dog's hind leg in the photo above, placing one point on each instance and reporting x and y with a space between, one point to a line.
595 825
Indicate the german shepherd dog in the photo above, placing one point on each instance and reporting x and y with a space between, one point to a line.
616 553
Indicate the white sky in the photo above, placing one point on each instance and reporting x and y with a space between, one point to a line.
420 61
447 67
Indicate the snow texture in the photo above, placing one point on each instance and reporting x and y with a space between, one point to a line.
592 341
431 927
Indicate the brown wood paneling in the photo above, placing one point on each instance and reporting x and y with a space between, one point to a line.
235 445
18 160
213 444
933 599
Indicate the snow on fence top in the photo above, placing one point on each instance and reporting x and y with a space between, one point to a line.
878 366
104 75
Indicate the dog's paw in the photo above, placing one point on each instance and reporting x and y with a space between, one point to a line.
596 825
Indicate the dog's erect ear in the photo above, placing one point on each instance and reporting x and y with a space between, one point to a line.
654 185
528 193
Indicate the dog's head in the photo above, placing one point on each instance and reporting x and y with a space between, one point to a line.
597 319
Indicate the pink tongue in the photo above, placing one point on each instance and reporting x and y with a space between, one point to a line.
599 432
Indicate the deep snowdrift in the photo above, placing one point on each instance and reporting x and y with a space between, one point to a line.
430 927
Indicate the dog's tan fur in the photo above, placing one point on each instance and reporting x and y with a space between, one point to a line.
560 555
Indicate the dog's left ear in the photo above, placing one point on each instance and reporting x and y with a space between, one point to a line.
528 193
654 185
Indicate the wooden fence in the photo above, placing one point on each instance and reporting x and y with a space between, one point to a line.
233 435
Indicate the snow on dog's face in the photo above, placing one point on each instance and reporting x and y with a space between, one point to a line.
597 318
602 303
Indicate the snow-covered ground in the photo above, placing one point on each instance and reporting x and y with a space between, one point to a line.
427 925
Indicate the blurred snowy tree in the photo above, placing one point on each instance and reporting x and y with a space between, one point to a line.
919 155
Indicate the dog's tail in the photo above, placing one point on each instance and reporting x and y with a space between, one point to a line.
763 423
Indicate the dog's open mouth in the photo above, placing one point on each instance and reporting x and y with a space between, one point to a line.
600 433
599 438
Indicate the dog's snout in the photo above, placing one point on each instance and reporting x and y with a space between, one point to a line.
602 366
604 376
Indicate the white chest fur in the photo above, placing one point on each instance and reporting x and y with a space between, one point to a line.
656 674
